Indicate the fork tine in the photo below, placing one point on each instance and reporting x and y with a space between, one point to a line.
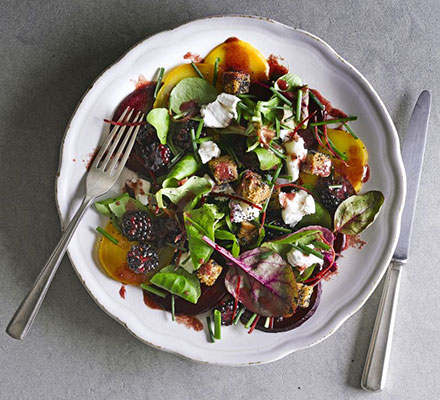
116 139
107 140
127 152
122 146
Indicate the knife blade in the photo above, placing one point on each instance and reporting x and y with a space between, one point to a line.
376 364
412 154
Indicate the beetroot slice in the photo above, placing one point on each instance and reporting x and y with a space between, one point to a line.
140 100
210 297
301 315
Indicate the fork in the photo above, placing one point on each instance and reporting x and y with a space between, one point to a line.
103 173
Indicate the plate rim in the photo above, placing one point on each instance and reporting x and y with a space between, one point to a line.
400 191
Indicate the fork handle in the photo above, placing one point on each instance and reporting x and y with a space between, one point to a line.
24 316
376 364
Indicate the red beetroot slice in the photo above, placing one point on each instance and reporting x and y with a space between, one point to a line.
210 297
140 99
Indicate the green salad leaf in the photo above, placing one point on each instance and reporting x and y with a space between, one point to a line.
320 217
226 235
160 119
187 166
198 223
191 191
116 207
267 158
358 212
293 81
197 89
179 282
282 245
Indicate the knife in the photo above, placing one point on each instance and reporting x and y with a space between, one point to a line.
376 364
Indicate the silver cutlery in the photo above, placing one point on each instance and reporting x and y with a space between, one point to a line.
376 365
103 173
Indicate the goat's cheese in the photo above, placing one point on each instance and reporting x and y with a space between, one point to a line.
241 211
208 150
300 260
296 153
225 188
295 205
141 190
221 112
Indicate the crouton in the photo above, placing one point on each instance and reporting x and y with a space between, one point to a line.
317 164
209 272
274 202
235 82
223 169
247 234
304 294
252 188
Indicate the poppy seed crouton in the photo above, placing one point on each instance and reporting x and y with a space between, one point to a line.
253 188
209 272
223 169
317 164
235 82
247 234
304 294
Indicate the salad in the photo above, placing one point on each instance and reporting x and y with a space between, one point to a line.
240 194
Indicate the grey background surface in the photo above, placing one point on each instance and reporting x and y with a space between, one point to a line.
50 52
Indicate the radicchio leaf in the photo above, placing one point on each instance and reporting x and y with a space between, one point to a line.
358 212
267 284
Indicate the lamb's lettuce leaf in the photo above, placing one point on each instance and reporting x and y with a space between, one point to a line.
160 119
187 166
267 158
293 81
188 89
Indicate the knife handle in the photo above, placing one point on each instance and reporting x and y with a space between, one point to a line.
376 364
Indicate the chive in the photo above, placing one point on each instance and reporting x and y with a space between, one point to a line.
277 228
231 152
153 290
266 254
267 322
290 118
174 160
194 145
173 308
217 324
238 316
185 260
321 245
350 131
280 96
251 320
298 105
205 139
306 274
197 70
243 106
307 250
214 79
337 151
178 116
277 127
199 129
229 223
246 96
334 186
315 99
334 121
277 152
277 107
159 80
107 235
289 177
211 333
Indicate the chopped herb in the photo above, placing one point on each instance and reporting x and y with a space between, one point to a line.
293 116
298 105
185 260
205 139
277 127
307 250
238 316
334 121
246 96
197 70
107 235
173 307
211 333
267 322
154 290
288 177
243 106
333 147
178 116
277 152
350 131
194 145
321 245
174 160
315 99
251 320
281 96
217 324
159 81
277 228
199 129
214 79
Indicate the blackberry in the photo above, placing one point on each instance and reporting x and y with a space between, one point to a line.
275 218
181 134
148 154
248 159
226 308
165 230
333 191
137 225
142 258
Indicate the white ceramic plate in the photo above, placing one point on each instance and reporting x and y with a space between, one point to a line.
321 68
